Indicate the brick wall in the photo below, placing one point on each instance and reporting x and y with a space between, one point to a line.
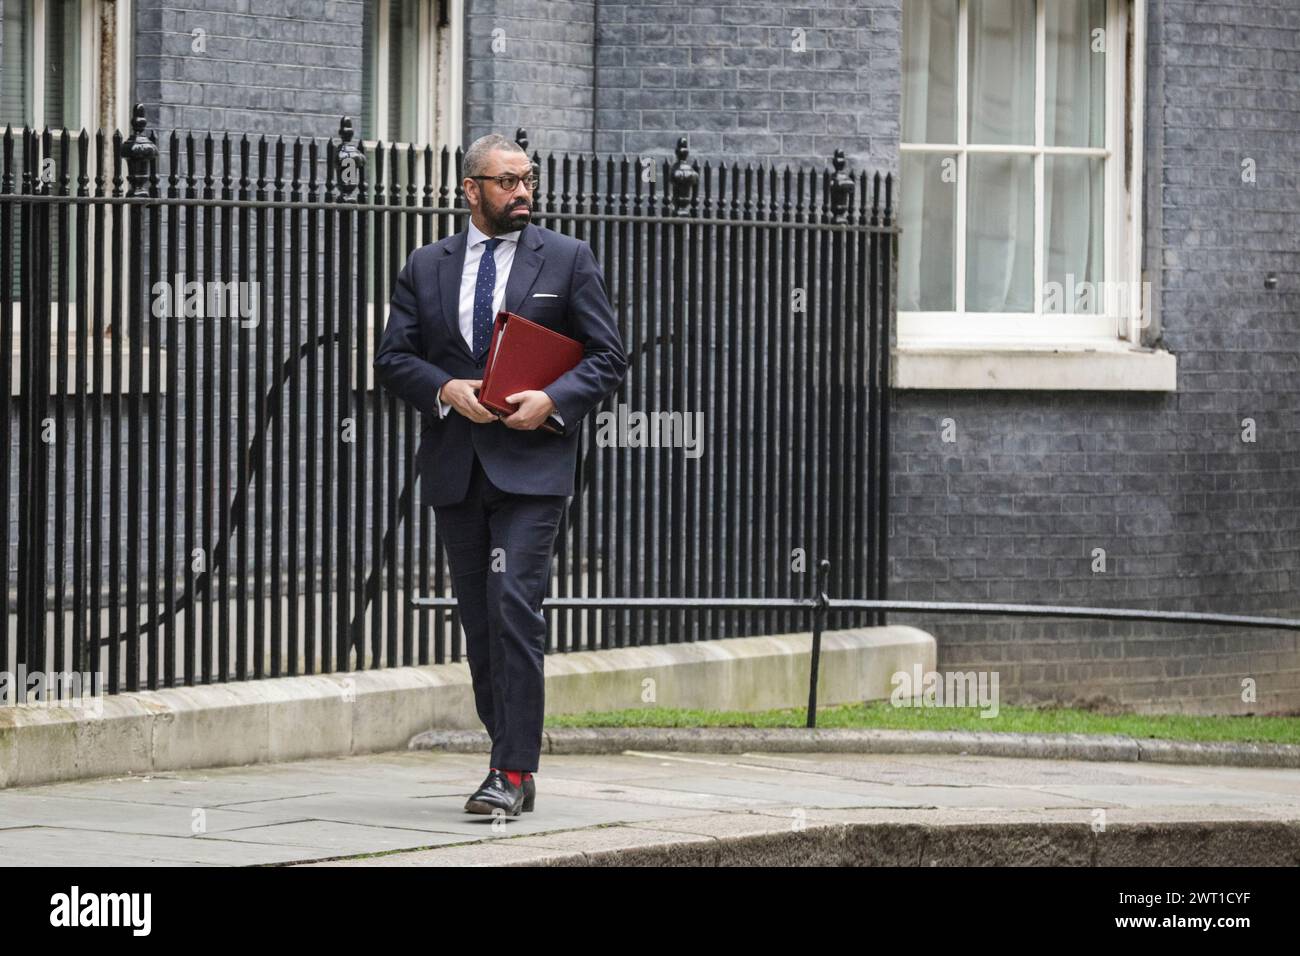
1190 515
760 81
289 67
529 63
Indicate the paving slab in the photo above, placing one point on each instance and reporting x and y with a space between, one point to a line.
406 808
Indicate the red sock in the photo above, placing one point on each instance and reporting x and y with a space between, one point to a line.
514 776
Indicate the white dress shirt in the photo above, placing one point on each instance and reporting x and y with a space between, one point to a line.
504 257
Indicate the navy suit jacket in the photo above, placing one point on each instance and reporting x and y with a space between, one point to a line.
422 349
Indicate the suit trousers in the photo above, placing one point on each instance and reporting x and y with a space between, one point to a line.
499 547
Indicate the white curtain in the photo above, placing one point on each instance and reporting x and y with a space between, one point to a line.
1000 196
1000 57
999 233
1075 93
927 187
927 213
1075 115
1000 189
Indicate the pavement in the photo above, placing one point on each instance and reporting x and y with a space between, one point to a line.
637 807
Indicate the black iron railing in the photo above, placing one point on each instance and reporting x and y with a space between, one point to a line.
815 611
207 486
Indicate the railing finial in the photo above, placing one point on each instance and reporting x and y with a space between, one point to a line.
841 189
349 161
684 179
139 151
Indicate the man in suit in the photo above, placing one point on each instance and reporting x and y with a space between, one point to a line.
499 487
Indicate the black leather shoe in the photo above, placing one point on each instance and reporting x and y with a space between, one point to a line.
486 781
497 793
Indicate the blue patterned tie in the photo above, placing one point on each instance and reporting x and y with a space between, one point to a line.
487 282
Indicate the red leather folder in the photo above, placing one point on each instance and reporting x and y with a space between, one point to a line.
524 355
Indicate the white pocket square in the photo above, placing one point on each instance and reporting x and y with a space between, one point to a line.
544 295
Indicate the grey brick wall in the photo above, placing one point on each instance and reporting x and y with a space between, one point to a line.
290 67
754 80
767 82
1190 516
726 74
529 63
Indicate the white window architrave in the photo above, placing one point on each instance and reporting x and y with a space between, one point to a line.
439 80
90 90
440 51
961 349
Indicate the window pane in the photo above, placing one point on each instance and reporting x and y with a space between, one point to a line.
1001 71
1076 73
15 108
927 213
1073 220
999 233
62 78
929 71
366 116
403 59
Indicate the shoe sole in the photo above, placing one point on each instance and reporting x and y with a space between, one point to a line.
479 806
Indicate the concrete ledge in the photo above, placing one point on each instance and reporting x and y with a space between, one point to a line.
730 740
742 673
871 837
1115 368
293 718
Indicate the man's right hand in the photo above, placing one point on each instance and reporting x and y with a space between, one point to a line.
459 394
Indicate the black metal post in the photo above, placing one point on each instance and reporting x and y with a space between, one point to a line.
818 622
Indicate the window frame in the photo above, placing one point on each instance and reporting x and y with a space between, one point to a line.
440 58
87 78
438 79
1121 208
89 93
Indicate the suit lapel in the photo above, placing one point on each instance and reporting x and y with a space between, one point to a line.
523 271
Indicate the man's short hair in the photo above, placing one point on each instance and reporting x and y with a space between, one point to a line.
476 157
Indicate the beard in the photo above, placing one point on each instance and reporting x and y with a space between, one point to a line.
512 217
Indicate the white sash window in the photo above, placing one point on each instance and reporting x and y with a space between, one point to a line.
1020 168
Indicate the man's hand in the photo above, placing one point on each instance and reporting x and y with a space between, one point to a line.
459 394
534 407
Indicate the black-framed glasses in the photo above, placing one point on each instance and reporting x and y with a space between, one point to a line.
508 181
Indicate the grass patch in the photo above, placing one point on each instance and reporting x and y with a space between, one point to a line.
1026 720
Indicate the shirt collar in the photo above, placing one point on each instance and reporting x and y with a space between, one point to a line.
476 235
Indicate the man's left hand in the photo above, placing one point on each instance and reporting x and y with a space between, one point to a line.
534 407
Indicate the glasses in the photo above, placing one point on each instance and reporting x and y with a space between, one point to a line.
508 181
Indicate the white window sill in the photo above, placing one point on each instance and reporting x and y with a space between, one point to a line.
103 382
1071 368
105 379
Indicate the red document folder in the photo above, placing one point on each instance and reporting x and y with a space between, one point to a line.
524 355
